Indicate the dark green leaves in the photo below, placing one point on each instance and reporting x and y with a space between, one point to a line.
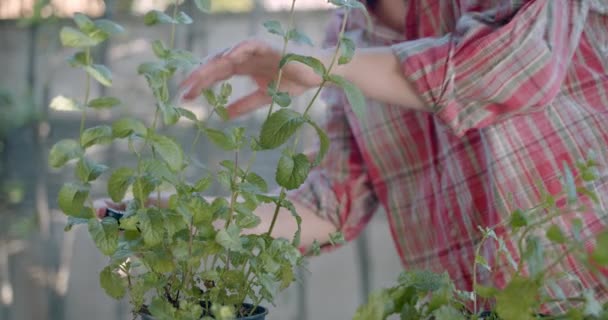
274 27
154 17
112 283
281 98
347 50
299 37
229 238
518 219
74 38
316 65
203 5
555 234
292 170
152 226
125 127
88 170
96 135
353 94
161 309
169 150
323 143
226 141
104 103
104 234
119 182
71 200
100 73
64 151
279 127
600 253
515 302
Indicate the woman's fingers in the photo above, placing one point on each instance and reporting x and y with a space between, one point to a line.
246 58
101 205
205 76
248 103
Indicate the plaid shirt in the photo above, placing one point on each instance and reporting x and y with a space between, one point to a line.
516 88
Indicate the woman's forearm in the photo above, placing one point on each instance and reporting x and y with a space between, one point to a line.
377 73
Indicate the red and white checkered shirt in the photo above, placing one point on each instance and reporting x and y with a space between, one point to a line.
516 88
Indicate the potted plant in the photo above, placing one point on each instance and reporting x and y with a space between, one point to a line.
422 295
193 257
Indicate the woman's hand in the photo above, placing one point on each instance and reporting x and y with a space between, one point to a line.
259 61
100 206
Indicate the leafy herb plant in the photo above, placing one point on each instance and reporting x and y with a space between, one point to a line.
425 295
193 258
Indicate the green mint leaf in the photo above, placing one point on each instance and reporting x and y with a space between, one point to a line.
64 151
104 103
600 253
74 38
347 50
203 5
316 248
169 150
155 17
183 18
125 127
71 200
336 238
221 139
203 184
323 143
187 114
555 234
518 219
78 59
292 171
160 50
517 300
109 27
230 238
353 94
257 181
152 226
299 37
161 309
119 182
279 127
96 135
100 73
87 170
104 234
84 23
274 27
112 283
316 65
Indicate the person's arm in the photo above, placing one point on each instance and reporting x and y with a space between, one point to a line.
496 64
378 73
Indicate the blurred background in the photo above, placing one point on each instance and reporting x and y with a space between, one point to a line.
46 273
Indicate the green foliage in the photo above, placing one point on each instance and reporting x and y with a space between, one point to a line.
525 292
193 250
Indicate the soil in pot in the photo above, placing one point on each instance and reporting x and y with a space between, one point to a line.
260 313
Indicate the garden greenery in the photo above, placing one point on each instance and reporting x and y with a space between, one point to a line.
190 260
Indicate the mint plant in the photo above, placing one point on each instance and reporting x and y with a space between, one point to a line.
425 295
191 259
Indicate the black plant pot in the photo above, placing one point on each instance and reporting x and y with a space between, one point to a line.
260 313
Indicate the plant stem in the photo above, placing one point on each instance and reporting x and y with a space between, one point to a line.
87 92
311 102
276 211
173 25
235 193
283 51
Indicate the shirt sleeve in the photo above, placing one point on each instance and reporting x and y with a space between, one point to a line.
496 64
